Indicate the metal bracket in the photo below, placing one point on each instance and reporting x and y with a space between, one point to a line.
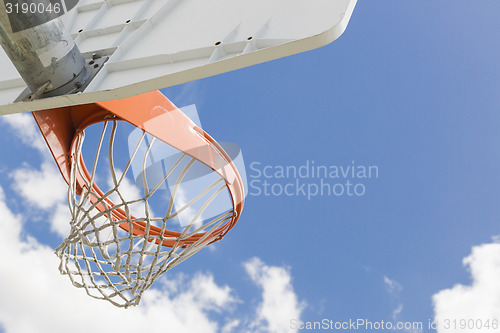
81 81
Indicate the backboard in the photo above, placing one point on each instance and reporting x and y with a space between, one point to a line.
154 44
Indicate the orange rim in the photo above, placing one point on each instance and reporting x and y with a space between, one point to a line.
156 115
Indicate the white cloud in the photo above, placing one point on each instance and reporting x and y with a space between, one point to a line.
397 311
35 298
393 286
394 289
230 326
60 220
38 296
481 299
26 130
279 304
43 188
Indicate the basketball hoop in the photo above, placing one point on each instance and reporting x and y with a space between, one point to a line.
80 70
111 252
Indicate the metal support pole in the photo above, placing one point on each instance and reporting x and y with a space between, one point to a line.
42 51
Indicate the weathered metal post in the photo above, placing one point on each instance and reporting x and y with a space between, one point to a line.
42 51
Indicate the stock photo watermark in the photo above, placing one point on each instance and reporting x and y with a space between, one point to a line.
361 324
310 179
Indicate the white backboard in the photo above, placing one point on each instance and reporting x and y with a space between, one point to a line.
154 44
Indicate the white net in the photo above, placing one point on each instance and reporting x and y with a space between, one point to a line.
145 218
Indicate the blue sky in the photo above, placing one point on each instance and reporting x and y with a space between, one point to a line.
411 88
